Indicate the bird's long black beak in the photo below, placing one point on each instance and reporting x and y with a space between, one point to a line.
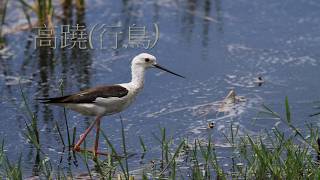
164 69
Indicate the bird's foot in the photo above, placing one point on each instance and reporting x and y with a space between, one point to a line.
95 153
76 148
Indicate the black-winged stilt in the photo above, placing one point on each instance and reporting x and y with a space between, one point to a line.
109 99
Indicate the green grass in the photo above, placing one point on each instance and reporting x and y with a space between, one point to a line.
3 11
43 10
275 154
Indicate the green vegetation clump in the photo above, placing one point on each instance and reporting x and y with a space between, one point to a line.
274 154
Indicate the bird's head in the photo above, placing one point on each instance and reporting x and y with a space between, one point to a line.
144 60
147 61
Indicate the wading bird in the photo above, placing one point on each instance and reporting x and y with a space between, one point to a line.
108 99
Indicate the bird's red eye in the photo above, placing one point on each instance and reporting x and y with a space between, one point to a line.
146 59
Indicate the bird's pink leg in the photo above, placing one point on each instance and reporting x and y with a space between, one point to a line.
96 143
84 135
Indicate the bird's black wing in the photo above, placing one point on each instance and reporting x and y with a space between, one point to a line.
89 95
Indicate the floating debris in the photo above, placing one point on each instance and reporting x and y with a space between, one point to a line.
211 125
259 81
228 104
230 101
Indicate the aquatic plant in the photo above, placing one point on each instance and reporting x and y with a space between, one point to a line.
32 132
43 10
273 154
80 4
3 10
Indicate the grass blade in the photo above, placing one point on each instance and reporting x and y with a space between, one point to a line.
288 113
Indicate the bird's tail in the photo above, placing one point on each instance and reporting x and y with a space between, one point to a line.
52 100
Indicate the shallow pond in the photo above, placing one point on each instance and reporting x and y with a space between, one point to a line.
218 45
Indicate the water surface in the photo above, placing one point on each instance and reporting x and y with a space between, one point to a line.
218 45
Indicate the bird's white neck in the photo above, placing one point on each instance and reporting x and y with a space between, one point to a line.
137 74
